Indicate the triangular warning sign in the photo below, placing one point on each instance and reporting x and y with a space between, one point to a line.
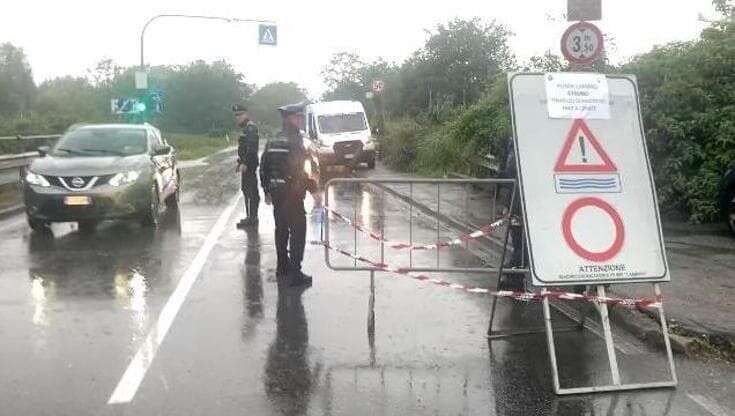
582 152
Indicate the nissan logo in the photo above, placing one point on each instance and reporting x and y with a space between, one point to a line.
77 182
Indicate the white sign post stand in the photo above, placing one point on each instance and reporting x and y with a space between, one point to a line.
587 196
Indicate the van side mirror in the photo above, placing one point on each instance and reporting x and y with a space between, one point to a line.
43 150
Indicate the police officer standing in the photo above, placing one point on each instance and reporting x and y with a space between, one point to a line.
247 165
520 253
285 183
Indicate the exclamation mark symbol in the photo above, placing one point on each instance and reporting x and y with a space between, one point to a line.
581 147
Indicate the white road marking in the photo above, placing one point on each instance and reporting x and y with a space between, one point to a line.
709 405
134 374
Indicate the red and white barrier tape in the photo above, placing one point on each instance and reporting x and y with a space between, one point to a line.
458 241
654 302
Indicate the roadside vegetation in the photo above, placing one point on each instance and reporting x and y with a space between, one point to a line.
195 146
445 109
197 100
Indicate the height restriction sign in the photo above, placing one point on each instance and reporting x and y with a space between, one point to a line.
587 192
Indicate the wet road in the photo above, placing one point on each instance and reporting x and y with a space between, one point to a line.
190 320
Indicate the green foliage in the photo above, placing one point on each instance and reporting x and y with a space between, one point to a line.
454 66
263 104
195 146
400 142
688 102
479 130
198 97
460 59
17 89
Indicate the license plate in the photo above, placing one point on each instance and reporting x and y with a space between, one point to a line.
349 156
77 200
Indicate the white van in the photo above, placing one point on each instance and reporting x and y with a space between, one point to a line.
339 134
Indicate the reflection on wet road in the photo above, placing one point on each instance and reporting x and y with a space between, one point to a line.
77 308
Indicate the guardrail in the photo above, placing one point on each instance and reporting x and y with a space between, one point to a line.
11 165
36 137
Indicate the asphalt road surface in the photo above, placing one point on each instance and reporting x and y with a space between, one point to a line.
190 321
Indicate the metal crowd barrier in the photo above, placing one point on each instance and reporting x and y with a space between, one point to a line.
381 186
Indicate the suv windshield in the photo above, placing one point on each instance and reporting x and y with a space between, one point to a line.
342 123
102 141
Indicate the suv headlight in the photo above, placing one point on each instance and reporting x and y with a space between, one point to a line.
124 178
36 179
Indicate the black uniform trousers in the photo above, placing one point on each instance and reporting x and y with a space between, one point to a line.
290 219
249 186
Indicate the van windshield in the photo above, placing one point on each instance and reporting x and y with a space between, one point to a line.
342 123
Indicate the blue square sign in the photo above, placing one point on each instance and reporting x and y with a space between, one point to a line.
268 35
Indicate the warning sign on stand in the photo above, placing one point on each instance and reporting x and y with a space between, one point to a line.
587 192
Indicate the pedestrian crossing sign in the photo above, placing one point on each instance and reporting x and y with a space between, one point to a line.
268 35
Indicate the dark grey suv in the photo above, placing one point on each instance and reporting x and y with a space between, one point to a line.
99 172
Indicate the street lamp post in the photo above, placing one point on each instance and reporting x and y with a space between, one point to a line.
189 16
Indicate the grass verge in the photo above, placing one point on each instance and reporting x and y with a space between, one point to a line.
195 146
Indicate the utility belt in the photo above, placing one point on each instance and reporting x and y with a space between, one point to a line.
279 187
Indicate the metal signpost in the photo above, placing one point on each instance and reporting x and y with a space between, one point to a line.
584 10
587 193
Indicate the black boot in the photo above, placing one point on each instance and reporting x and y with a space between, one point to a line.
298 278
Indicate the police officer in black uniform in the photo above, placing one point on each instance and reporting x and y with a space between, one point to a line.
285 183
247 165
520 253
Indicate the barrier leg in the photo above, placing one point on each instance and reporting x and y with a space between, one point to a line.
616 384
371 319
550 343
371 307
492 311
665 330
611 355
490 332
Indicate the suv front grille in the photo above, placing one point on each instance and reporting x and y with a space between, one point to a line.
69 182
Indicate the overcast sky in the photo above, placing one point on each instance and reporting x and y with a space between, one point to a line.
67 37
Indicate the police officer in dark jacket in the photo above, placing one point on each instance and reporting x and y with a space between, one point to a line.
519 254
285 183
247 165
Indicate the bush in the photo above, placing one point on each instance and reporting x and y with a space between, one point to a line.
399 143
461 144
687 98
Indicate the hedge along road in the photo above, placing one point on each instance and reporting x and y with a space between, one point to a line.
78 308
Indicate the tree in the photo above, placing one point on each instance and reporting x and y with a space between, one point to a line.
725 7
547 62
687 91
263 104
198 97
67 100
343 67
460 58
17 89
105 73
